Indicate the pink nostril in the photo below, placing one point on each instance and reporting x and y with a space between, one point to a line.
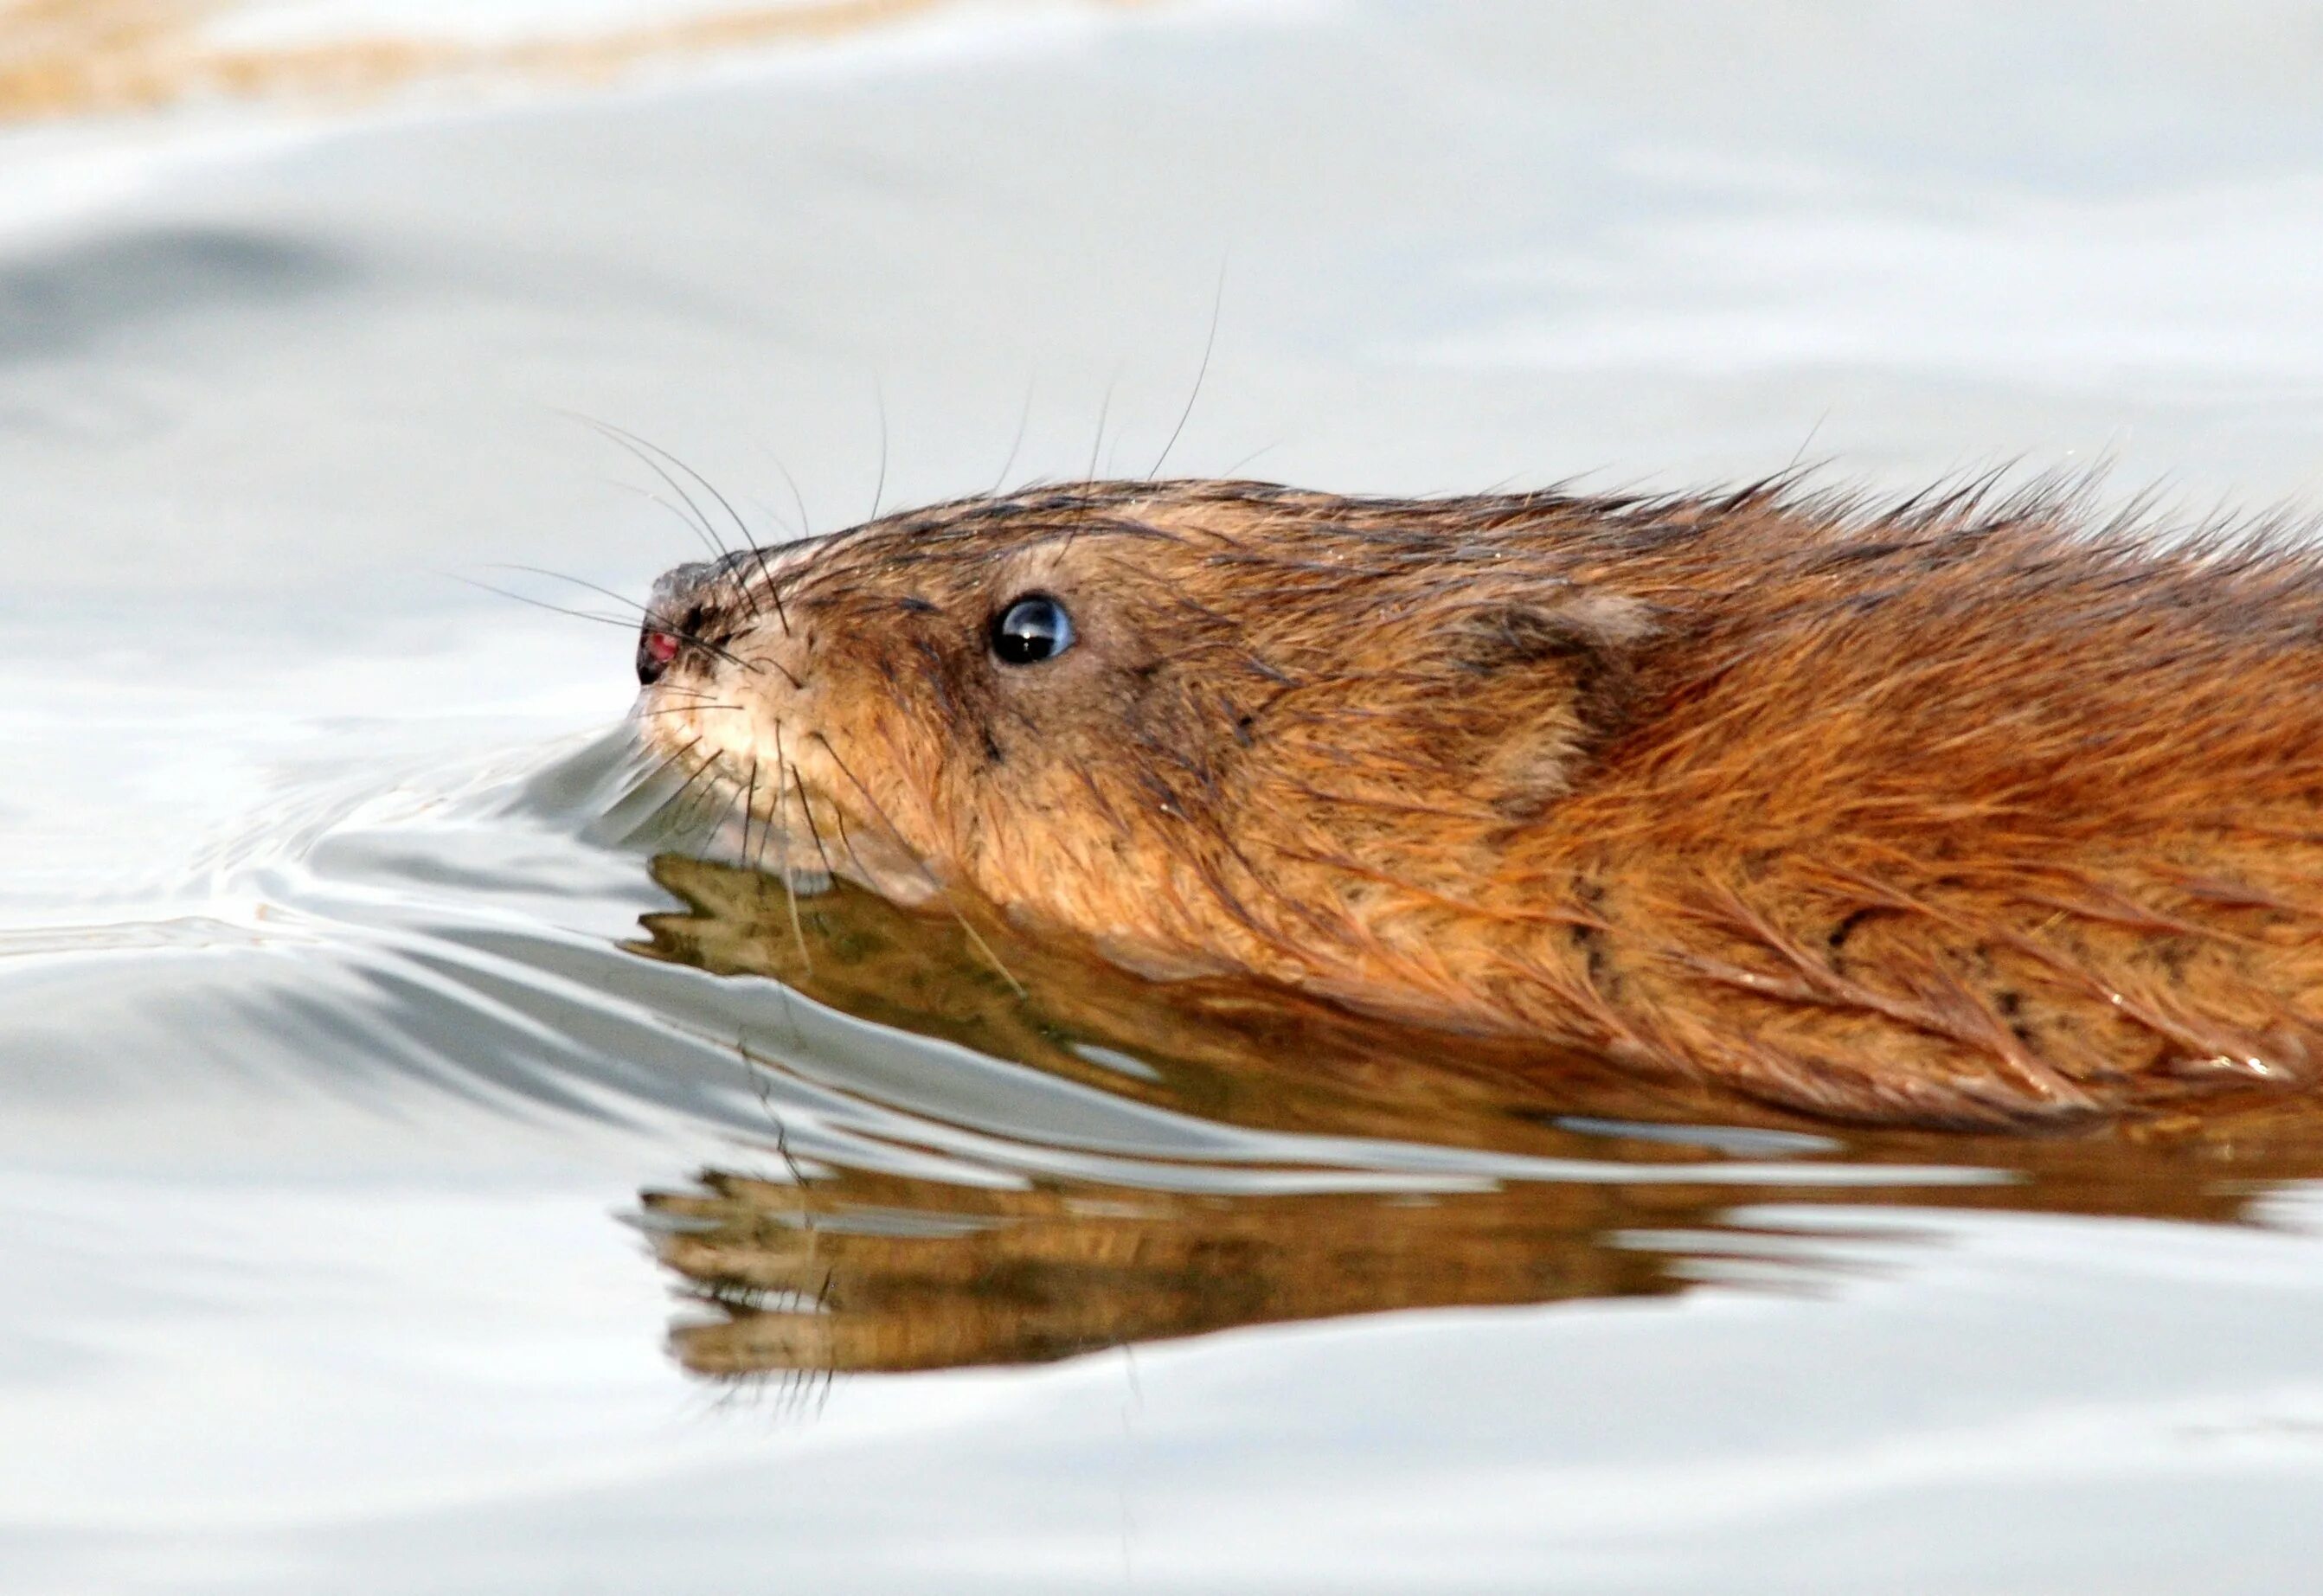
655 649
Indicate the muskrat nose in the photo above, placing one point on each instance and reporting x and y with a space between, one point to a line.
655 649
674 618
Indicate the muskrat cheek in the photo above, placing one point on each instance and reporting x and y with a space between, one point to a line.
879 862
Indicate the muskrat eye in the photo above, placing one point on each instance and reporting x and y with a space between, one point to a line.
1033 628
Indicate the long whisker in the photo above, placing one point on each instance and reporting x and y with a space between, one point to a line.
674 808
698 808
644 453
755 553
769 662
749 539
812 830
643 609
750 807
798 499
879 489
782 863
636 446
666 760
690 795
725 810
806 522
623 621
846 842
1096 444
1024 421
774 588
652 498
1217 303
663 765
1237 468
782 787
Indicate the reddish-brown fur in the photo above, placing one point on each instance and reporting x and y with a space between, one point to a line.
1948 811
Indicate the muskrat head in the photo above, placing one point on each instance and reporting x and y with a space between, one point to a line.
1206 725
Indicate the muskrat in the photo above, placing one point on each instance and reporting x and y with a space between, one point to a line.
1956 811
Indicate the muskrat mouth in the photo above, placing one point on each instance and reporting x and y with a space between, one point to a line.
761 813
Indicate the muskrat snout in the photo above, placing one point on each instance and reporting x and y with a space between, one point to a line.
683 608
655 649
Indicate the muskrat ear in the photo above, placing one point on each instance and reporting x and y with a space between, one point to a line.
1460 704
1562 672
1592 638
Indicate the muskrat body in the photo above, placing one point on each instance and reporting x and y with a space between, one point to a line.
1950 811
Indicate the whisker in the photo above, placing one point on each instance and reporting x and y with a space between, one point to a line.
666 760
623 621
650 497
1217 303
790 884
689 796
805 524
777 667
644 611
1096 444
798 499
879 489
758 856
750 808
812 830
714 781
673 807
1235 469
854 857
724 811
1105 408
774 588
662 766
635 445
645 452
1023 420
749 539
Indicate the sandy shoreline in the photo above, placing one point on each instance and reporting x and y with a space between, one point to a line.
62 59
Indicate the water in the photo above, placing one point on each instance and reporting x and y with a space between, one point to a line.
396 1199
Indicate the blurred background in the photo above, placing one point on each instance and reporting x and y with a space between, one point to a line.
336 1128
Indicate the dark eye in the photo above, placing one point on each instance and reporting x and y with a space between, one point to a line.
1033 628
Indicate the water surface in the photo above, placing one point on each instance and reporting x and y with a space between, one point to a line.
424 1174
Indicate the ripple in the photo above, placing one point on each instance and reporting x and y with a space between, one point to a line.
890 1158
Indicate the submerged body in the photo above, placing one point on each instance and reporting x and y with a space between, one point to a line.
1953 812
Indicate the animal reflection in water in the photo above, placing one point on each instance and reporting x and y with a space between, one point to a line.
852 1270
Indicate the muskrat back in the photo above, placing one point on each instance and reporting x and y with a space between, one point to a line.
1953 811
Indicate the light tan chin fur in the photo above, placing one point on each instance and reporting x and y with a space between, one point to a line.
1947 812
755 764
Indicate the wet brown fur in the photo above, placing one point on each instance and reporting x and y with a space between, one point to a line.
1951 811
